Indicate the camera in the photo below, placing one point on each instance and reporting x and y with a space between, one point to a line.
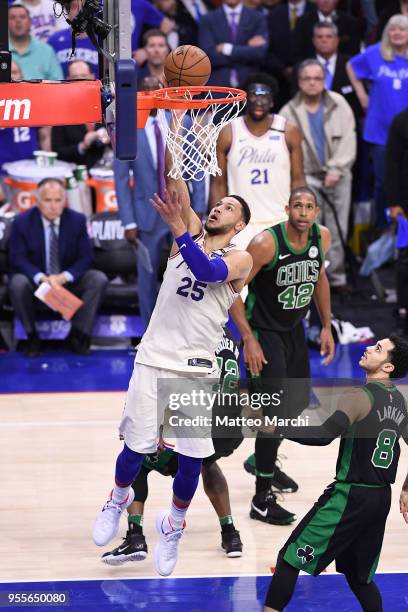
86 19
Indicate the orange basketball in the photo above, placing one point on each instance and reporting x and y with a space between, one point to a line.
187 65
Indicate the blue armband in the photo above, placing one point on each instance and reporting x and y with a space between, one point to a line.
204 269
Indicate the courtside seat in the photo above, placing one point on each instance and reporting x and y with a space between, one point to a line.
117 258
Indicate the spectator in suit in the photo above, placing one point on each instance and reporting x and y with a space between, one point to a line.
49 243
281 58
80 144
139 218
326 44
385 66
187 15
396 189
329 150
44 21
36 59
157 49
325 10
235 39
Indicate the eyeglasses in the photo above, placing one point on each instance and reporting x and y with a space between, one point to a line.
321 79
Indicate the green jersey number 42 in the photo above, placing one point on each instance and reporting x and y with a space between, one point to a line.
291 299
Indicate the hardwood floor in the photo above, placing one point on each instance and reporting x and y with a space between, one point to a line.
57 457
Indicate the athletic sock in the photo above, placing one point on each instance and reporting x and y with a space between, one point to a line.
135 522
176 516
227 524
262 484
120 494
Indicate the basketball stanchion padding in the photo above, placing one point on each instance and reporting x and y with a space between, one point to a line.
125 141
45 103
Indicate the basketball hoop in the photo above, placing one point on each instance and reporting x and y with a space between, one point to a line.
198 114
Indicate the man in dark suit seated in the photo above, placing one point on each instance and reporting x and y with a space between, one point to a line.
325 10
79 144
49 243
235 39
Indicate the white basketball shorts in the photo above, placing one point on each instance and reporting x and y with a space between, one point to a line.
144 410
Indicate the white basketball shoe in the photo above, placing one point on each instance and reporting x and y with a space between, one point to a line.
107 522
166 552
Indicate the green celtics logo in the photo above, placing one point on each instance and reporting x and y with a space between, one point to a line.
306 553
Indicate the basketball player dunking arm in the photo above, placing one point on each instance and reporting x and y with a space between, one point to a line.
260 156
347 523
204 276
288 271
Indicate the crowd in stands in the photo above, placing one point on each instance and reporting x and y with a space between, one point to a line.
340 69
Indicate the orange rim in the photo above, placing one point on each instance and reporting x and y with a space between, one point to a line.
174 97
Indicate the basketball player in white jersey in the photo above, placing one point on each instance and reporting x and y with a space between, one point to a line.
203 277
260 157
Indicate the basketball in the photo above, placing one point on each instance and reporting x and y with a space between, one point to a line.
187 65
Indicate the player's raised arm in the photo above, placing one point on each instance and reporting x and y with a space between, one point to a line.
321 298
233 268
178 186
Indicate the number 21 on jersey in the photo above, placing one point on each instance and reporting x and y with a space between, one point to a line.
259 176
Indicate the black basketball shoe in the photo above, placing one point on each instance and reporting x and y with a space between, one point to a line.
231 543
133 548
283 482
265 508
280 480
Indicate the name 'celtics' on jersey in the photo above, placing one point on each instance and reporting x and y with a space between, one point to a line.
280 294
369 452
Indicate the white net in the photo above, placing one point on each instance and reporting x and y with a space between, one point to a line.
192 133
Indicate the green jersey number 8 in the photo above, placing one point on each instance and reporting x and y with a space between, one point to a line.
290 299
384 449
